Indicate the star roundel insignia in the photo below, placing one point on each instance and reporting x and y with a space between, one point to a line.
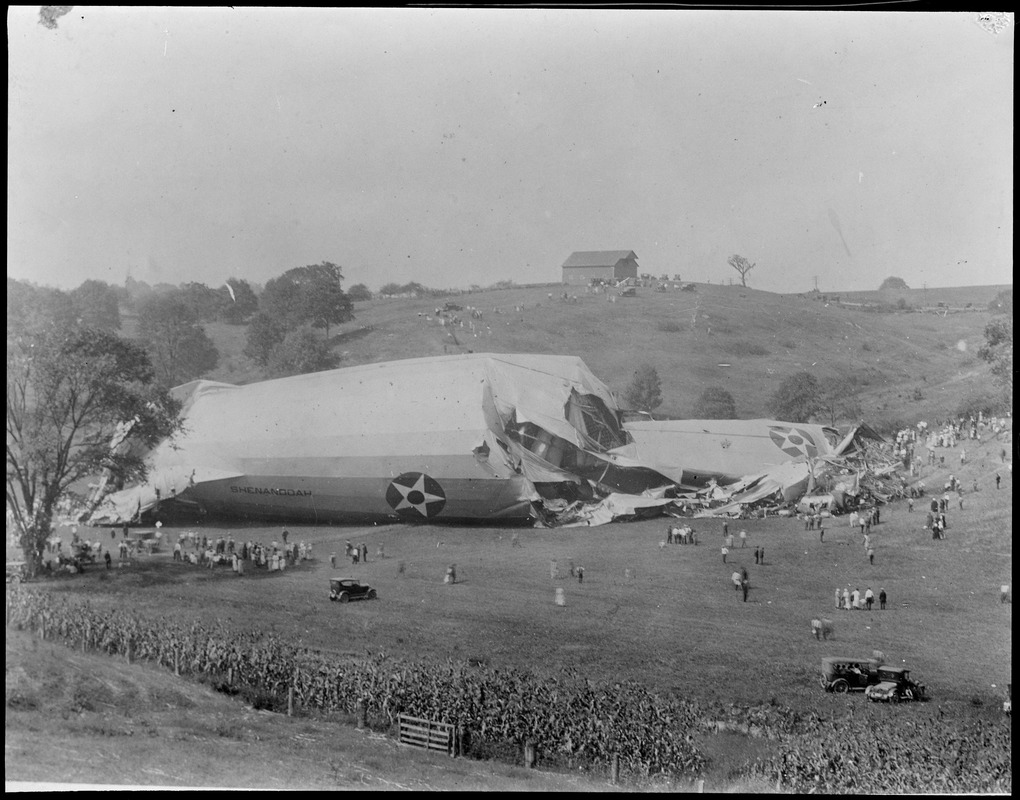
794 442
416 496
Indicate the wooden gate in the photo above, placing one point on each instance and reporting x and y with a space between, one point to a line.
427 734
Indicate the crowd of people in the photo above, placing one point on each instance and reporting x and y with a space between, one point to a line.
198 549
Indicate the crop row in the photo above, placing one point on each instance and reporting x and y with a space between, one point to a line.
893 755
568 718
565 717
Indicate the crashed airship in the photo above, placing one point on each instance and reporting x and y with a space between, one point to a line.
459 438
451 438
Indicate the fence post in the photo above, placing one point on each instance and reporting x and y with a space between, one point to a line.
529 754
177 661
290 700
615 768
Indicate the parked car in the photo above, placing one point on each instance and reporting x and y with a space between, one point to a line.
344 589
17 571
895 685
841 675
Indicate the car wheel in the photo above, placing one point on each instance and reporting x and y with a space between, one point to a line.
371 594
908 694
841 687
344 597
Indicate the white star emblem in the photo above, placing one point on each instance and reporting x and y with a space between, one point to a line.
417 492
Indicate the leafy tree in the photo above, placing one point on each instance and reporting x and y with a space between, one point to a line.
32 308
741 265
1003 303
69 391
327 302
715 403
414 288
359 292
391 289
894 283
205 303
136 291
797 399
839 400
178 346
300 352
311 294
96 305
239 301
998 352
265 333
645 390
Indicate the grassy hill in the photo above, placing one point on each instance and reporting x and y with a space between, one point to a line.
908 364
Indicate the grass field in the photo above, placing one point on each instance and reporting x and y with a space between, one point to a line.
665 616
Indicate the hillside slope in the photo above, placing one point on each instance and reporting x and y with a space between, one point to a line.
907 365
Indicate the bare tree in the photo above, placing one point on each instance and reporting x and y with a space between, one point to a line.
741 265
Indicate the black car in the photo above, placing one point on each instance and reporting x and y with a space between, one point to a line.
343 590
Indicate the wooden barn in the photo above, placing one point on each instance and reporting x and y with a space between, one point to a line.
612 265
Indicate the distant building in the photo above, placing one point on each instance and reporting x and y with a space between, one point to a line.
613 265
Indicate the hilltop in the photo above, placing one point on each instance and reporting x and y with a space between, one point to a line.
908 363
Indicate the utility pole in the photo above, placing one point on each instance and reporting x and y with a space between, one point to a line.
816 283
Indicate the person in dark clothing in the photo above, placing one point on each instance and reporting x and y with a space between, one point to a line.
881 599
108 559
756 555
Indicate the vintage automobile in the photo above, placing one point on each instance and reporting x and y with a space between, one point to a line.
17 571
343 590
841 675
895 685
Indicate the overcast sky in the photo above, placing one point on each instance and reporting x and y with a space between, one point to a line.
459 147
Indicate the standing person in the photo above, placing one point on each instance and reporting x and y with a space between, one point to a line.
910 504
855 599
729 540
725 550
837 598
881 599
735 578
726 527
821 531
846 599
869 598
762 555
756 555
871 555
998 479
285 535
743 539
745 586
580 574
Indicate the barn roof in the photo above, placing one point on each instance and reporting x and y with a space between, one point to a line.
597 258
